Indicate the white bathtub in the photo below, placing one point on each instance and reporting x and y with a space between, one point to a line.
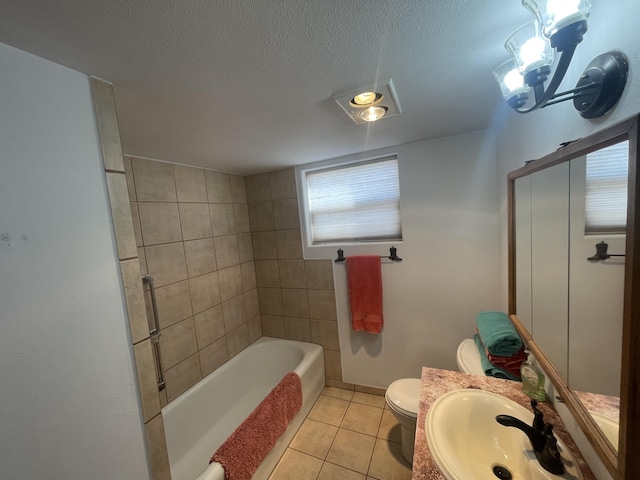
200 420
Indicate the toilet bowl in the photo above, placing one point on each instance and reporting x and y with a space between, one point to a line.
403 395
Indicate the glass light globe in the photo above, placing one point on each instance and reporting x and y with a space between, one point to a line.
372 114
529 48
510 79
557 14
365 98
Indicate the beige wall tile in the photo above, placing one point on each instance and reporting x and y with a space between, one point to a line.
251 303
332 365
158 456
295 303
230 282
128 173
273 326
297 329
166 263
270 301
160 223
135 218
267 273
121 215
177 343
163 398
322 304
142 260
153 180
285 214
173 303
181 377
255 328
107 123
245 247
258 188
227 252
319 274
190 184
241 214
325 333
292 273
237 340
209 326
264 245
261 216
200 256
289 244
213 356
147 382
238 189
205 292
218 187
283 184
234 313
134 296
222 219
370 396
338 384
249 281
195 220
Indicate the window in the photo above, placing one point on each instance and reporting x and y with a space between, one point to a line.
606 192
354 203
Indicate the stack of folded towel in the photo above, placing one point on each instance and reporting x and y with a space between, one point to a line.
500 346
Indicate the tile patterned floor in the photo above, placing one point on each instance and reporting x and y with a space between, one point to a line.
346 436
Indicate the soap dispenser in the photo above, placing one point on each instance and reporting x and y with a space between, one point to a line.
532 379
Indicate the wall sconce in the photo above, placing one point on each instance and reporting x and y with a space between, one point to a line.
560 26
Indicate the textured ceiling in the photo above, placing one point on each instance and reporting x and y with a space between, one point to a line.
245 86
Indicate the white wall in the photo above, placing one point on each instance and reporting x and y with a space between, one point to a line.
450 270
69 405
612 25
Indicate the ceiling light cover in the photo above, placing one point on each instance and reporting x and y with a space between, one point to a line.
385 97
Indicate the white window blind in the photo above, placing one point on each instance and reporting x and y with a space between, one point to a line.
357 202
606 192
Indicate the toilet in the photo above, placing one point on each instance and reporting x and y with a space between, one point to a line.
403 395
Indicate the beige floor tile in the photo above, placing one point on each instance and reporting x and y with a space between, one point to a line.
314 438
362 418
296 465
335 472
369 399
387 462
336 392
351 450
389 427
329 410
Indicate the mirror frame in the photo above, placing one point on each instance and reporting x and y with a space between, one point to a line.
626 461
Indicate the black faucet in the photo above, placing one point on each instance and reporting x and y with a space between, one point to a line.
544 444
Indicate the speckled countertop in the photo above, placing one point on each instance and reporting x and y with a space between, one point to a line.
436 383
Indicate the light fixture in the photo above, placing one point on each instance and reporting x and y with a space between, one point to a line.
559 25
370 103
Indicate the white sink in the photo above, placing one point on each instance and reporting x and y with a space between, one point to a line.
467 443
609 427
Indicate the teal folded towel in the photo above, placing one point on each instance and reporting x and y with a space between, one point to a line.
491 370
498 334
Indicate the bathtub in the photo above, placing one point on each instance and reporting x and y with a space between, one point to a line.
200 420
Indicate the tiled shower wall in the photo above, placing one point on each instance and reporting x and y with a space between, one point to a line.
297 298
192 232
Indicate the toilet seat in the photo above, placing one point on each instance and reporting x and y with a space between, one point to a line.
468 358
403 396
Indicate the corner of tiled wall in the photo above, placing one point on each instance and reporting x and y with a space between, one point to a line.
119 196
297 298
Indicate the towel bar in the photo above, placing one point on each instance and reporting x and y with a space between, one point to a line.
154 332
392 255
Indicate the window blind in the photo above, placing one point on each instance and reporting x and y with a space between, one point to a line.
606 190
353 203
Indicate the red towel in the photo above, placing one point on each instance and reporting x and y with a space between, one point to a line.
241 454
511 364
365 293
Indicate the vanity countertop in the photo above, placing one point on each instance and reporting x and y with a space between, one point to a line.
438 382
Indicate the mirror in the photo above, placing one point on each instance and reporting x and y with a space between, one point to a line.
576 315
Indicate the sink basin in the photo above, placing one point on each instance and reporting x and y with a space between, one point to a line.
609 427
467 443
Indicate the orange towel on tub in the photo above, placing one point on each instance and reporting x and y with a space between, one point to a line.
365 293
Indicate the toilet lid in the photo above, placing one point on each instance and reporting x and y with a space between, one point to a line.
404 395
468 358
